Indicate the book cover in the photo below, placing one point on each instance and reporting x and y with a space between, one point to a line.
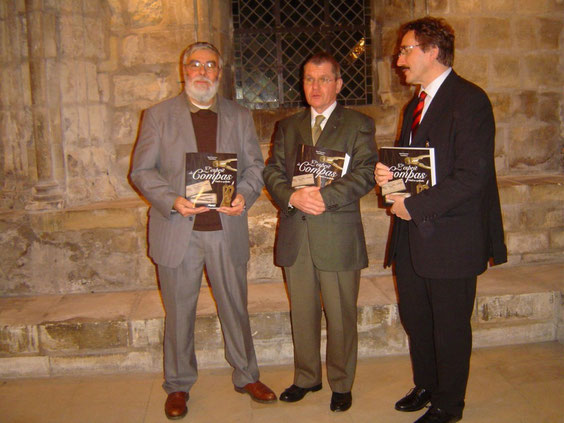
211 179
413 169
318 166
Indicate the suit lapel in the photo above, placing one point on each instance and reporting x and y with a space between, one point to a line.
436 109
225 123
406 124
328 135
304 129
183 125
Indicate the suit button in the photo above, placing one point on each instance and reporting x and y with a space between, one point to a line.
191 218
303 218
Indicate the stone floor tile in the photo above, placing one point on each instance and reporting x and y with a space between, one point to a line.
546 396
517 384
533 370
522 353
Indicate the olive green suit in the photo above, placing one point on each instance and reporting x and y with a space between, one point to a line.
323 253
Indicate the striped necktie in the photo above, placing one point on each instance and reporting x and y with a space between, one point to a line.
417 113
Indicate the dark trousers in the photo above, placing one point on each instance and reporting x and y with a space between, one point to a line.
435 314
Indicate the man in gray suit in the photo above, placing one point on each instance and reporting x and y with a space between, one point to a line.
320 240
183 237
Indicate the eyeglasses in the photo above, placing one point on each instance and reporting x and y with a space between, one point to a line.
404 50
196 65
308 80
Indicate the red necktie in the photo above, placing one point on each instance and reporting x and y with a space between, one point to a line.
417 113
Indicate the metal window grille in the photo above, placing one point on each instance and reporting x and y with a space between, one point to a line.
273 38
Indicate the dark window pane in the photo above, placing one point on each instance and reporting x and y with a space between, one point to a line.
273 38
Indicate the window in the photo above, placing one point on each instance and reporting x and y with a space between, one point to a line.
273 38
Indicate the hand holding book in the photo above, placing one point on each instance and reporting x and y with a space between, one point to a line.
309 200
412 171
235 208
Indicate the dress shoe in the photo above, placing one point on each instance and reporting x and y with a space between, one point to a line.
175 405
341 402
258 391
415 400
295 393
436 415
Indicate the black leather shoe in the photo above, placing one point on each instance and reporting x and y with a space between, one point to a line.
415 400
436 415
341 402
295 393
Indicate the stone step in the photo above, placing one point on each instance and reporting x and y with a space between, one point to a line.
122 332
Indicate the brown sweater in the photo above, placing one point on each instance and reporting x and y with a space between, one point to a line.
205 129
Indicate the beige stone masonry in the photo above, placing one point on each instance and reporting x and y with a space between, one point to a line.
123 331
102 247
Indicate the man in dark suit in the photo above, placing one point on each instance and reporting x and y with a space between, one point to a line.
443 237
320 239
184 238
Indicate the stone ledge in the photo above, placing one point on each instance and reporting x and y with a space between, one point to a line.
122 331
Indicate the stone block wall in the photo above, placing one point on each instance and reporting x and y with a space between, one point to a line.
513 50
77 74
102 247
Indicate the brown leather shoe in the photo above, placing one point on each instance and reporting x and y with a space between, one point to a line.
258 391
175 405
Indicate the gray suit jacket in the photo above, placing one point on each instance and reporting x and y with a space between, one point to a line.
336 236
158 171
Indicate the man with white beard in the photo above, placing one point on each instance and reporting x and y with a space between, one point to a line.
183 237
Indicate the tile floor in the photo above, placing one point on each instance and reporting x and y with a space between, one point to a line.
518 384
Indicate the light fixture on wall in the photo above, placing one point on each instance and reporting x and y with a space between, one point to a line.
357 50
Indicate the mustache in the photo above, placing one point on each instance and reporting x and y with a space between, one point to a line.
201 79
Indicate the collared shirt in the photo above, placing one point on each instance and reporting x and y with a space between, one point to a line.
431 91
432 88
327 113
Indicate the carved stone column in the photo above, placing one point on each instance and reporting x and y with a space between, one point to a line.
46 106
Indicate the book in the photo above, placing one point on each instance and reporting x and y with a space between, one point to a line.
413 168
318 166
211 179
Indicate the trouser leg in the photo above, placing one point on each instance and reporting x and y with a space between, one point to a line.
180 288
305 313
436 316
229 285
453 302
417 318
340 293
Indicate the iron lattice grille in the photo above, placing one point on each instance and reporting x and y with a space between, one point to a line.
273 38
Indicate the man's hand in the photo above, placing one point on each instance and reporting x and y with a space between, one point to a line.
187 208
382 174
398 208
237 206
308 200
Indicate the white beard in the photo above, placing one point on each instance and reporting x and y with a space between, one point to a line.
201 95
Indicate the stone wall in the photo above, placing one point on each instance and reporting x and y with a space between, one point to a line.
76 75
